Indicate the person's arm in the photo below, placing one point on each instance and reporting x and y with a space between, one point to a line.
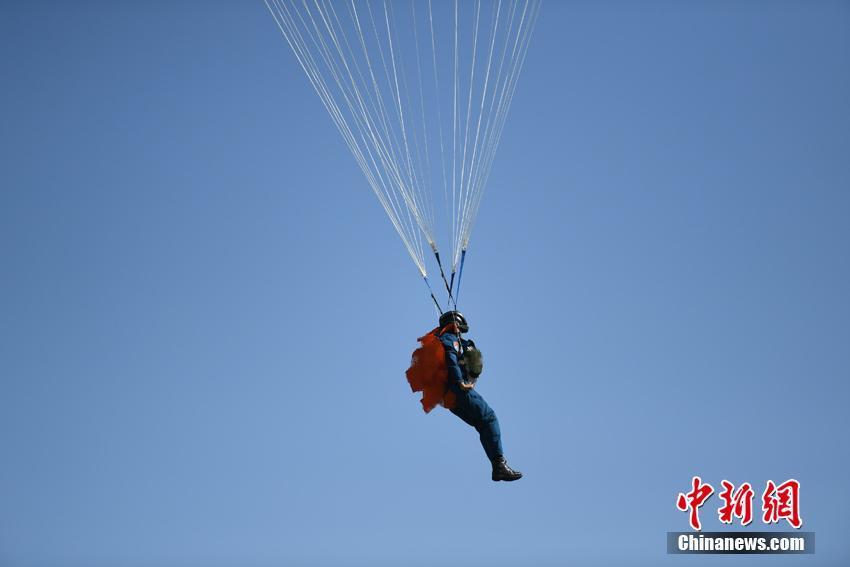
456 379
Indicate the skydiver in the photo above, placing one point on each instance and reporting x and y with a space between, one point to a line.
452 385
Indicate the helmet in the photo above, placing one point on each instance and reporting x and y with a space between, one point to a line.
454 317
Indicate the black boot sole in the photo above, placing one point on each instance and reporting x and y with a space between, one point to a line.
506 479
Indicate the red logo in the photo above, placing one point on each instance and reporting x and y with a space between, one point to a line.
782 501
737 504
693 500
778 502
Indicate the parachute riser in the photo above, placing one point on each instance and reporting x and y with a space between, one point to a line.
443 275
459 276
454 294
431 291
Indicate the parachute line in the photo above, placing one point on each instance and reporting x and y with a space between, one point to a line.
367 61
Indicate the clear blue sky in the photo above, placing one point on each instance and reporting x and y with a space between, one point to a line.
206 316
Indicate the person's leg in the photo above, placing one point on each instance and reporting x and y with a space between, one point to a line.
472 409
487 425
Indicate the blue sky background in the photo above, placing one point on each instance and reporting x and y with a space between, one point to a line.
206 316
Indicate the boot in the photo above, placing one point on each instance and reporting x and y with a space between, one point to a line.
501 470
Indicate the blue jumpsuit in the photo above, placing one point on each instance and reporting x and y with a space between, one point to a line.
470 406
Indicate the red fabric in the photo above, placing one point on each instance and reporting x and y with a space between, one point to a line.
428 373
